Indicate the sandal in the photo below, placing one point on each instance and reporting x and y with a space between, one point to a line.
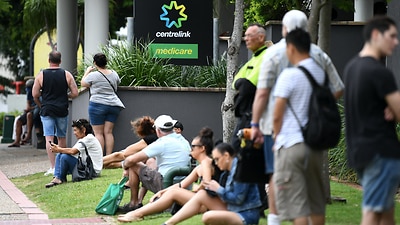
53 183
127 208
13 146
24 142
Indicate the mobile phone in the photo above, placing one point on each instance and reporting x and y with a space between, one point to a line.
50 143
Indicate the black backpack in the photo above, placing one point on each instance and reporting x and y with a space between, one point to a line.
322 131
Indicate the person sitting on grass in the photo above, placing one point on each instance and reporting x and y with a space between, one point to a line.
67 158
171 150
234 203
202 146
143 128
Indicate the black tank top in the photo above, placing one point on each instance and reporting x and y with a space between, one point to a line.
54 93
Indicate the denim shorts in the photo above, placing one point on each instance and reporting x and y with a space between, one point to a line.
99 113
251 216
54 126
268 154
380 181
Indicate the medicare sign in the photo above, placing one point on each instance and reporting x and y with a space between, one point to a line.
180 30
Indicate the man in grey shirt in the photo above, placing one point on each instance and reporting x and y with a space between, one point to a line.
274 61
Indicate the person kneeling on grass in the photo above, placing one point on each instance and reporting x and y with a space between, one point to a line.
67 158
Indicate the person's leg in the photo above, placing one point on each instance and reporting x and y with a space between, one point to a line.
381 177
179 195
68 163
29 126
109 160
111 116
98 133
18 133
49 131
61 130
108 137
221 217
196 205
273 218
152 164
133 183
97 116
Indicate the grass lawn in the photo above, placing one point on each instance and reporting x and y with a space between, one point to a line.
78 200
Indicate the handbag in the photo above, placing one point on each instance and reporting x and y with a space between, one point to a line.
112 197
83 170
251 164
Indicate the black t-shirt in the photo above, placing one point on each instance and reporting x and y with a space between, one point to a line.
367 83
150 138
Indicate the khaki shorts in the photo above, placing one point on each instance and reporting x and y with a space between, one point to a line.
299 190
151 179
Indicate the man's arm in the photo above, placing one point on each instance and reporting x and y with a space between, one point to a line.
72 85
135 158
393 101
37 85
259 105
279 109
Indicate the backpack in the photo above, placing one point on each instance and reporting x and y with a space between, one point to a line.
323 129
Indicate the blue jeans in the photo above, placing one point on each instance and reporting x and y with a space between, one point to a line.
65 163
380 181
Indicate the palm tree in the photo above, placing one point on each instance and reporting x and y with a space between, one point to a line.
40 14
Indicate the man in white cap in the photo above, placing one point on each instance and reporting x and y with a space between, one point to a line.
274 61
170 150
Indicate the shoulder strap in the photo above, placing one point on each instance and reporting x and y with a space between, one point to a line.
115 91
311 78
87 153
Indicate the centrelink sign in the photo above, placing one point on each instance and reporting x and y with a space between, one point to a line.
181 30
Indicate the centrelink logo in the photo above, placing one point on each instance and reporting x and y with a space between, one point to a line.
177 23
167 8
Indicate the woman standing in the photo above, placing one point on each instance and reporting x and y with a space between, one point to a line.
104 104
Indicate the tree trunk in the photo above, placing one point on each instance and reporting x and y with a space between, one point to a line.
228 116
321 11
324 35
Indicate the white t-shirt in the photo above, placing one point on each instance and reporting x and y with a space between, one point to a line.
95 151
293 85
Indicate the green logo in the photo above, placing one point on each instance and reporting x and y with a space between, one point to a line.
166 8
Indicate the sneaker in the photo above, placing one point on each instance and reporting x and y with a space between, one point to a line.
49 171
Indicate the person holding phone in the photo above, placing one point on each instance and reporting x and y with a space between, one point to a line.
67 158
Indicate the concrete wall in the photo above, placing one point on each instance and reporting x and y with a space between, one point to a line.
194 107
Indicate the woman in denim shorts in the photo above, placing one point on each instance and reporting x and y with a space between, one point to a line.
104 103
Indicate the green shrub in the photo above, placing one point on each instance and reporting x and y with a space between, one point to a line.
338 158
136 67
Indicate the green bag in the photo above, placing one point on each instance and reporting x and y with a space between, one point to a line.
112 197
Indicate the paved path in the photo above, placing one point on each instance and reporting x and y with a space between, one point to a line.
15 207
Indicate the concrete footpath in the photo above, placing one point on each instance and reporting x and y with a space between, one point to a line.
15 207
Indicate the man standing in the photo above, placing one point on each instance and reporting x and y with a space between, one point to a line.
298 168
372 97
246 79
274 61
245 82
170 150
52 85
